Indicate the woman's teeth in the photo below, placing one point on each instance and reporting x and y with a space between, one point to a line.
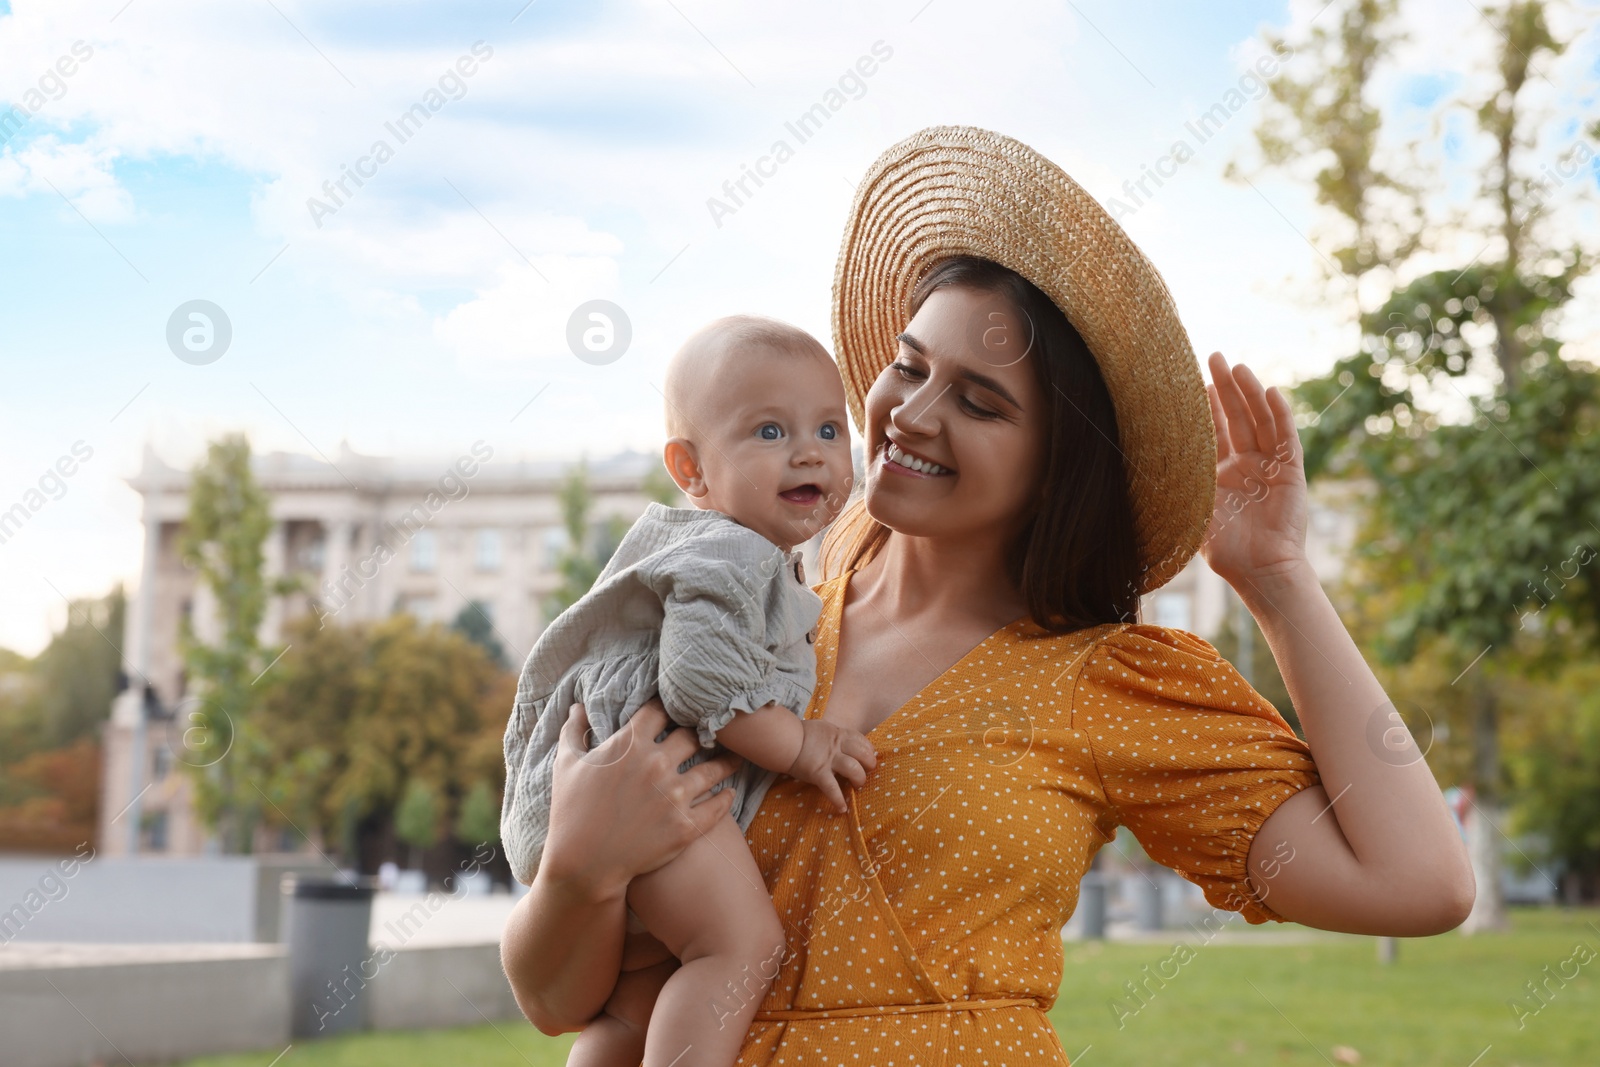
893 452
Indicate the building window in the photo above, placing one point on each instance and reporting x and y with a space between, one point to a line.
420 608
1174 610
424 552
312 555
488 550
161 763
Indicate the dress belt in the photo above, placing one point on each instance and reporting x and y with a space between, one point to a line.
894 1009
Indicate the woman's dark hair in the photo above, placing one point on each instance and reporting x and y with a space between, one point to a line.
1076 560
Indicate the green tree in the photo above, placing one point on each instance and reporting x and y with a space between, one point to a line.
19 723
222 539
473 623
79 669
51 711
65 692
1323 126
588 545
1471 427
416 820
356 712
479 820
1555 774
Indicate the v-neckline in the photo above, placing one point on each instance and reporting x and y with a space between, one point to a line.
834 609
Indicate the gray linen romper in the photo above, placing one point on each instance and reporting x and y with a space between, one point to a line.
693 607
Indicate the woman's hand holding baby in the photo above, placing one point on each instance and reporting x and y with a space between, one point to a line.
618 810
622 809
829 752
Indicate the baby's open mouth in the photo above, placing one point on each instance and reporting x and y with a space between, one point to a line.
802 494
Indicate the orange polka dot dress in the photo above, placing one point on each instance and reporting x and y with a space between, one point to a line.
924 926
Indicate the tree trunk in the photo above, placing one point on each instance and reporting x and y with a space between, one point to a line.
1485 817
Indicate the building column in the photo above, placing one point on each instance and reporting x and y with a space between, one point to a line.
274 565
517 542
337 588
120 831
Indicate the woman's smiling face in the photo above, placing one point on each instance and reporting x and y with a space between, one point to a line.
962 401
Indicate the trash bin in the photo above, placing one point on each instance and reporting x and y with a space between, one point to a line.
330 965
1092 900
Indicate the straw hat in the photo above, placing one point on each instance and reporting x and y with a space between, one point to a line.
954 190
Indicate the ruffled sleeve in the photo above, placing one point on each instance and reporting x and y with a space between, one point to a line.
716 661
1192 759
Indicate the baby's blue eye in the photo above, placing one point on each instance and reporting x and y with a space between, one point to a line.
829 431
777 431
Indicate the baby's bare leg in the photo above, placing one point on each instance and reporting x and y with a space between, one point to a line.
710 907
615 1037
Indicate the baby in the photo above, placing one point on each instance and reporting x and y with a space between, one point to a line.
708 608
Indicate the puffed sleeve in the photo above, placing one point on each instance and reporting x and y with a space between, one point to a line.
1192 759
715 657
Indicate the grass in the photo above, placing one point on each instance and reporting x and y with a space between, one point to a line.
1442 1004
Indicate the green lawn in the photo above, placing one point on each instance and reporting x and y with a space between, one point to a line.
1444 1001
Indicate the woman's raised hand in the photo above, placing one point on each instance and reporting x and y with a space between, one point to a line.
621 809
1258 526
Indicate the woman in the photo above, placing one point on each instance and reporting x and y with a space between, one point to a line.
1039 455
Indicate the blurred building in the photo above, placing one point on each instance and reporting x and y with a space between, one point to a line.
472 529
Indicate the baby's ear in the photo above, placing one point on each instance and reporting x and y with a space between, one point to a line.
683 464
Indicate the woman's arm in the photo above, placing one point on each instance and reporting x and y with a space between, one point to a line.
1374 849
617 811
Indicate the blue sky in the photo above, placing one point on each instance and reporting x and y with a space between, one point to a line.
175 163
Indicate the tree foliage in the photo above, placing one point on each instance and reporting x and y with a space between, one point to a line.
64 693
78 671
588 545
1554 765
1458 409
223 540
479 821
416 820
473 623
358 715
50 799
1325 121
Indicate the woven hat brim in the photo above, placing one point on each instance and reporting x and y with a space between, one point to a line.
962 190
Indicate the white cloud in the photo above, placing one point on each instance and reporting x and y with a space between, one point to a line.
519 326
80 172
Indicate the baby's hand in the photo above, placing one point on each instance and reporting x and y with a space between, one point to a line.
828 752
